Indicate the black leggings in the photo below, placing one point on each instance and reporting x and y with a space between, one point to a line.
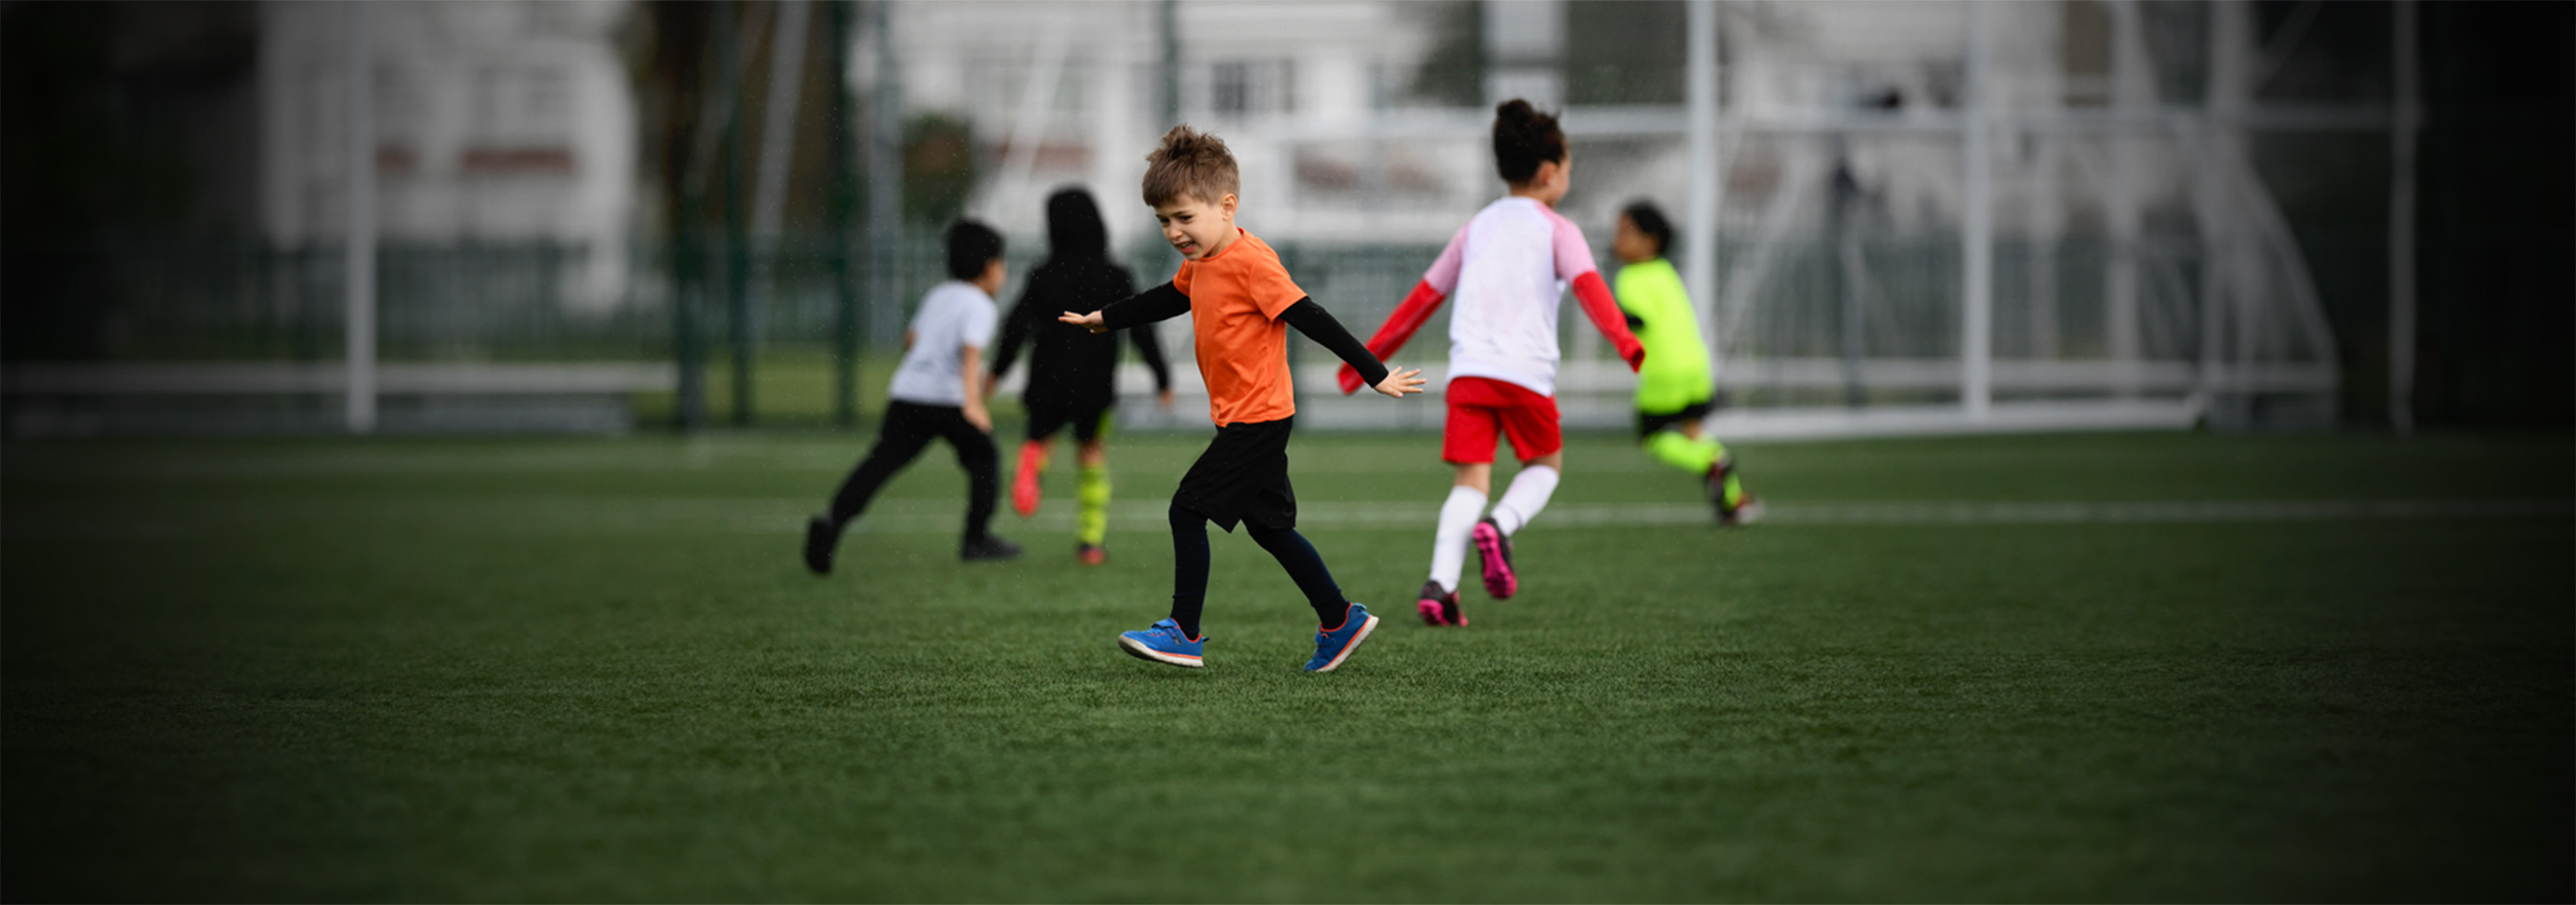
906 430
1190 569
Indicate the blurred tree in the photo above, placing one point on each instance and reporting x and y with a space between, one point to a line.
115 119
938 168
668 61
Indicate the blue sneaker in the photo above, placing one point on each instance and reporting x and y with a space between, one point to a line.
1332 646
1163 643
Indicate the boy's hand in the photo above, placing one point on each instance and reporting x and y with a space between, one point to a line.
1400 382
977 416
1089 322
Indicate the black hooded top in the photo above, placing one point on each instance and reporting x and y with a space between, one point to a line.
1070 368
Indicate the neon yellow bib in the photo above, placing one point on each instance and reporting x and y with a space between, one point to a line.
1676 372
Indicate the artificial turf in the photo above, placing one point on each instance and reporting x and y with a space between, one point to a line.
593 670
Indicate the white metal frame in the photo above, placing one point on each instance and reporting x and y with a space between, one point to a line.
2254 266
361 251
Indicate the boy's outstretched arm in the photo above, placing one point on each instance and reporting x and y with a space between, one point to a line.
1320 325
1157 304
1594 297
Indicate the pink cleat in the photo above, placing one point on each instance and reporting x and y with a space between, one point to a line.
1025 490
1438 607
1494 552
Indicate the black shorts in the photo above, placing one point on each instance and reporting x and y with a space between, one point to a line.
1088 422
1243 477
1650 422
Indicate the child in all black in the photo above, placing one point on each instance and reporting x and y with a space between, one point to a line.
1072 372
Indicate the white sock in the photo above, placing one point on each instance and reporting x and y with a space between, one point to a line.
1527 495
1458 516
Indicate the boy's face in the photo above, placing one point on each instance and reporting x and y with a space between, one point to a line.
1196 228
1631 244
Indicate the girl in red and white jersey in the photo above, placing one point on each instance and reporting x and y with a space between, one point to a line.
1507 269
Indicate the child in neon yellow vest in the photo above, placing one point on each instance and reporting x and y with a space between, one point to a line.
1675 386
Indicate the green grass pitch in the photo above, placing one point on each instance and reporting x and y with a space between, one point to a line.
2244 668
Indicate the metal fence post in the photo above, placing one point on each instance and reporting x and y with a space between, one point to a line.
360 394
737 276
1699 236
845 303
688 272
2401 221
1976 302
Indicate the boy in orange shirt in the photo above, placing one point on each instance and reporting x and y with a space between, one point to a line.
1241 304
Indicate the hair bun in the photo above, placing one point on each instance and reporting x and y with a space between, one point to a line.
1523 139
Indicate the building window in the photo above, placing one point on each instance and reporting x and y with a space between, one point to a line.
549 99
1238 88
1232 88
488 115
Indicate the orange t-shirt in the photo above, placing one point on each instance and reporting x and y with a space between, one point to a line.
1236 297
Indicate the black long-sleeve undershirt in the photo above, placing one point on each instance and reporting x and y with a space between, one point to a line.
1319 325
1160 303
1165 302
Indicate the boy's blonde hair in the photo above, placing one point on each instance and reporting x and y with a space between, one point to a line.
1193 163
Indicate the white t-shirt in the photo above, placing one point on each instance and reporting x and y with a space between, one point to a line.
953 315
1506 271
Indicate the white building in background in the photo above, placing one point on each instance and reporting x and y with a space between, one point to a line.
1838 125
1255 73
502 123
1309 96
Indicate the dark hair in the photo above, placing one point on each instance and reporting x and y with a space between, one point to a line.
1650 220
1523 139
971 245
1074 230
1190 162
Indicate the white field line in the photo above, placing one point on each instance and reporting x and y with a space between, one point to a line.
778 516
1414 515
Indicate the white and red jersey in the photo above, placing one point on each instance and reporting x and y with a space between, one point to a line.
1508 268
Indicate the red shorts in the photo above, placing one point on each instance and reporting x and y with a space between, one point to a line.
1478 408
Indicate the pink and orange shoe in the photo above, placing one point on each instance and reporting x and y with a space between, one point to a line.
1024 487
1090 554
1494 552
1439 608
1745 509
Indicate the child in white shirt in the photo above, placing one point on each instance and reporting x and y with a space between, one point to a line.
937 393
1507 268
